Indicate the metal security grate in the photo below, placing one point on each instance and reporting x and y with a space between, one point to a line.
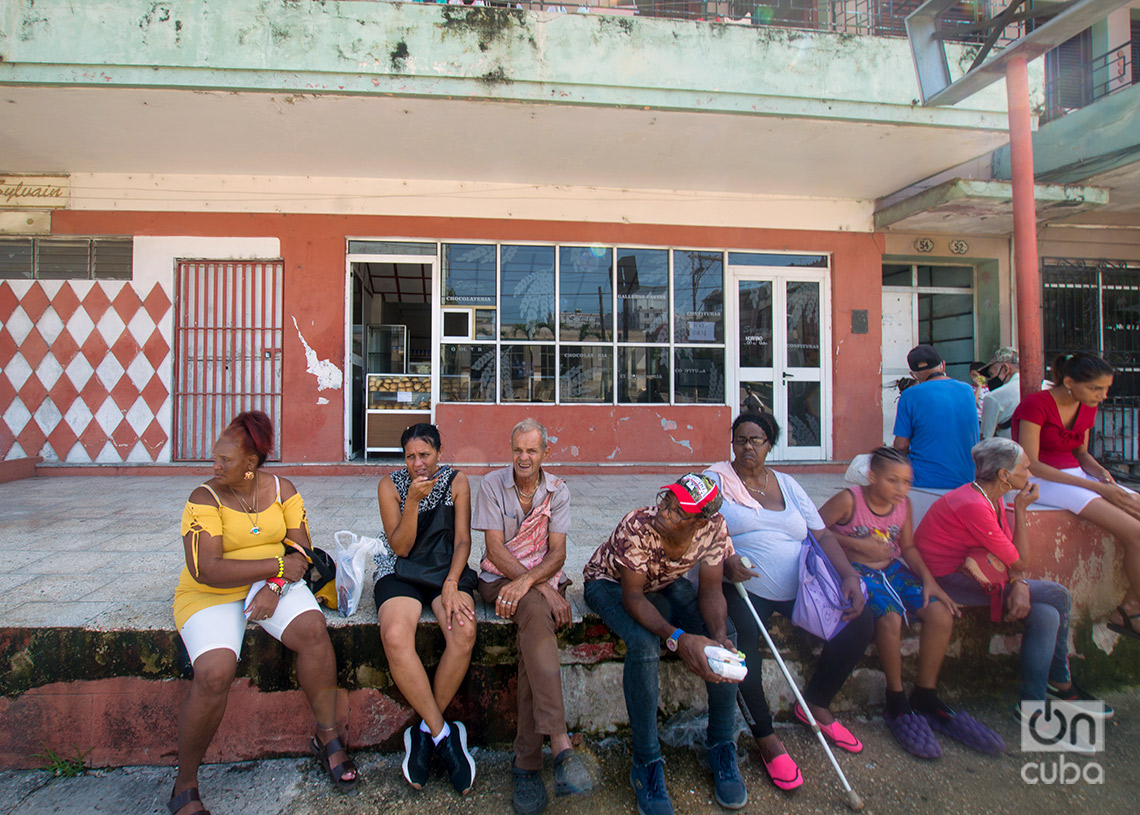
1094 305
227 344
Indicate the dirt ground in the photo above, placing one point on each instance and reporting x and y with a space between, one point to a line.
889 781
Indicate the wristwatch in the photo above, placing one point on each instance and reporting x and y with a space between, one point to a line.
674 639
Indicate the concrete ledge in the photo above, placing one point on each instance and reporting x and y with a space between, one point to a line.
15 469
117 693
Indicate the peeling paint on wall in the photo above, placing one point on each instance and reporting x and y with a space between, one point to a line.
322 400
329 377
613 455
667 424
1104 639
683 443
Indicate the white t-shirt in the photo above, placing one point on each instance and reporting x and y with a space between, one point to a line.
772 540
999 405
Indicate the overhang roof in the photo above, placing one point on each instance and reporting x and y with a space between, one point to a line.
966 206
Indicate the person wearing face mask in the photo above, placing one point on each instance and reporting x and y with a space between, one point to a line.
1000 402
1053 427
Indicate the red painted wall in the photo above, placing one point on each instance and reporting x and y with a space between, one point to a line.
682 434
313 248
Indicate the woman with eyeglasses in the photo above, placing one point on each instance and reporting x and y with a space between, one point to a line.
768 516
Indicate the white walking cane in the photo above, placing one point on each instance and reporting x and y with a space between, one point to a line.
853 799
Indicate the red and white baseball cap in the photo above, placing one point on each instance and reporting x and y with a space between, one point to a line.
693 492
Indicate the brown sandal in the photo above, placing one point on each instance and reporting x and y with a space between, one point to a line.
337 774
183 798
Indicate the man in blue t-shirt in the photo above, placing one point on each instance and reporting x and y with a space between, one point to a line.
936 423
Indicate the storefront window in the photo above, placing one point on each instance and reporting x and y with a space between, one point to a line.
643 375
698 297
803 324
526 373
527 292
586 297
643 295
586 373
699 376
634 325
467 373
468 275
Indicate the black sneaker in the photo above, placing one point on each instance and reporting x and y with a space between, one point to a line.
418 748
456 759
1075 693
530 792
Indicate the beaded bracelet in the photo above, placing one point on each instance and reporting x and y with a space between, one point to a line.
280 567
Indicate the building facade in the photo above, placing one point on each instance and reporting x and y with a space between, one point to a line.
357 215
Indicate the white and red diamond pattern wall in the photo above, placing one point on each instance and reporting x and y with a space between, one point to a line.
85 371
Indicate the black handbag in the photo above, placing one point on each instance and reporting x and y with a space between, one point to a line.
429 560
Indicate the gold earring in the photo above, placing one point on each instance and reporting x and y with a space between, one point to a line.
249 475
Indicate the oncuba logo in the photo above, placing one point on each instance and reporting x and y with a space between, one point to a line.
1065 728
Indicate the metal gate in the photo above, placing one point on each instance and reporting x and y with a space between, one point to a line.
227 344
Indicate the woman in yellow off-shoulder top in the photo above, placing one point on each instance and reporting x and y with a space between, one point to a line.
246 539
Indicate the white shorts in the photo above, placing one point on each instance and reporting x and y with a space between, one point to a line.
1066 496
224 626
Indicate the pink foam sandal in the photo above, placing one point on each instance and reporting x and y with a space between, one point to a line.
839 735
784 772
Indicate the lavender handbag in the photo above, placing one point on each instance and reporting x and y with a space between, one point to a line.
819 599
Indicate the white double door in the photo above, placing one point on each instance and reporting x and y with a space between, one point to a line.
780 347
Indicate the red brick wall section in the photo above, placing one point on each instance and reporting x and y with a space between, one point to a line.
313 248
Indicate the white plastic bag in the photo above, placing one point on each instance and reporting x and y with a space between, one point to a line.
351 553
857 472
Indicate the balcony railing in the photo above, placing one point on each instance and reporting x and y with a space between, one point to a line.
878 18
1074 80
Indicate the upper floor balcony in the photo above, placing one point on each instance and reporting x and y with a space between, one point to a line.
767 97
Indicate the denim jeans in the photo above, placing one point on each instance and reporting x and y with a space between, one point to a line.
1045 643
677 603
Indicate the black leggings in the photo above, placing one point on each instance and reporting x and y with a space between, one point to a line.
836 662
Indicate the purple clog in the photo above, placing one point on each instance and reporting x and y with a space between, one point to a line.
968 730
914 734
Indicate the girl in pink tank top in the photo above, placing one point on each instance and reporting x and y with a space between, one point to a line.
873 525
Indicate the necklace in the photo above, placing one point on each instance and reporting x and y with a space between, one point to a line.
978 487
255 529
755 489
525 496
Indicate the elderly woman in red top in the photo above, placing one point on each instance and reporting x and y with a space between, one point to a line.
972 517
1053 428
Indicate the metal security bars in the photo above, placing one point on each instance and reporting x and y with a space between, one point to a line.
227 347
1094 305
